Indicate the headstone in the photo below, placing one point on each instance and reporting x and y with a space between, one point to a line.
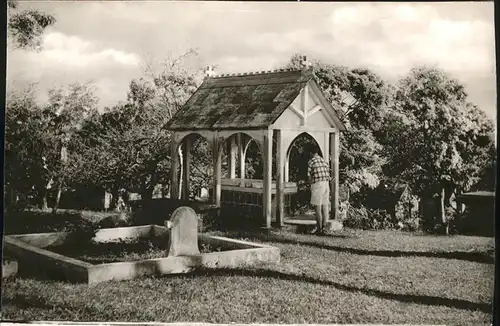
183 225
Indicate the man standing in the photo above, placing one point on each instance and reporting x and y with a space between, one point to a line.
318 172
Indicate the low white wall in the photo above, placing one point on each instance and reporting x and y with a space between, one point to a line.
229 243
29 256
42 240
178 265
243 253
129 270
130 232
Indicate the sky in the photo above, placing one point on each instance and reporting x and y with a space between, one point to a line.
108 42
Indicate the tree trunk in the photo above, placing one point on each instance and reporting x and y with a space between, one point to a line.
113 206
45 193
460 207
63 153
58 198
147 193
447 196
43 205
442 209
10 198
153 181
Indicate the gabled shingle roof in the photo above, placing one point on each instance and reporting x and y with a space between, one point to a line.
237 101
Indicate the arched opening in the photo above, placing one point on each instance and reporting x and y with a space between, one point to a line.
254 164
241 181
297 162
246 148
200 174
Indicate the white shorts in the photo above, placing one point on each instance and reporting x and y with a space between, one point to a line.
320 193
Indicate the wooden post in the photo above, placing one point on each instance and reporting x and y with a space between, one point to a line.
231 158
334 166
280 185
326 156
241 149
174 164
268 161
286 173
217 170
186 162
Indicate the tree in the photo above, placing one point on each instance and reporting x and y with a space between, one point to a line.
67 109
478 151
116 150
487 176
127 146
171 84
201 173
36 137
22 128
25 27
437 141
93 162
174 82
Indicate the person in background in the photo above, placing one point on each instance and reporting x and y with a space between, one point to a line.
318 172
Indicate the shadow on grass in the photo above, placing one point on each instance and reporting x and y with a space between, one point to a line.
478 257
65 311
409 298
24 302
52 275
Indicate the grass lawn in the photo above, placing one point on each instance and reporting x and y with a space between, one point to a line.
353 277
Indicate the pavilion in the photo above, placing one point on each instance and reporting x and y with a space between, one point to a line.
271 108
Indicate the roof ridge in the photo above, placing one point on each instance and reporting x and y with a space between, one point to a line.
252 73
269 83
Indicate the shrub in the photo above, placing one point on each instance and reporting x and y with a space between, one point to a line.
81 230
381 220
412 224
208 221
368 219
300 202
207 248
38 221
357 218
455 220
454 223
